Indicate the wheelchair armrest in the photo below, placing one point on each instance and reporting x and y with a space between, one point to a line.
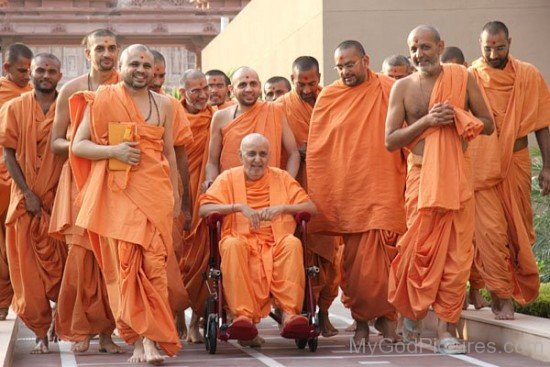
213 219
302 216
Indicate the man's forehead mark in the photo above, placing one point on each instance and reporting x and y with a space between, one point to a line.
494 42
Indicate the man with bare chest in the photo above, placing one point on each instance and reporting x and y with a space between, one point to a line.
436 252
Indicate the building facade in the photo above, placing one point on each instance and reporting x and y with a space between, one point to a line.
179 29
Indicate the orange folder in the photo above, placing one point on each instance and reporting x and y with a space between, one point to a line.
120 132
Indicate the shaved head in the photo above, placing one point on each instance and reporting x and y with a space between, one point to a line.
495 27
253 139
86 41
190 75
159 58
254 155
436 37
396 66
352 44
454 55
130 50
246 86
244 71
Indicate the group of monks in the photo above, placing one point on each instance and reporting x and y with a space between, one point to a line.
418 180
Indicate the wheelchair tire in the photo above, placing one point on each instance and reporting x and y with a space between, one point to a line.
213 335
300 343
312 344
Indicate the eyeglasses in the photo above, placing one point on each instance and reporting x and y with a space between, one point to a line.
197 91
348 65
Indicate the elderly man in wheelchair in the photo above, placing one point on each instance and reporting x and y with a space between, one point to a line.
261 259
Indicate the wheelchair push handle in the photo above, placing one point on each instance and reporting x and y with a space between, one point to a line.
213 219
302 217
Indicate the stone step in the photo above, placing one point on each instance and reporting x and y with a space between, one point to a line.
526 335
8 334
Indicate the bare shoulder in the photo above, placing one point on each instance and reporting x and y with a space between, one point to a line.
78 84
222 117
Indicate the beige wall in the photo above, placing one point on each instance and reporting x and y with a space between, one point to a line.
382 26
269 34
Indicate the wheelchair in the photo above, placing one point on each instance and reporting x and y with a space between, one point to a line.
216 324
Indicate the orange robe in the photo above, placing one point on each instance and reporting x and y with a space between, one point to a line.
520 102
36 260
321 250
435 254
128 215
83 305
360 194
263 262
226 104
183 137
264 118
196 251
8 90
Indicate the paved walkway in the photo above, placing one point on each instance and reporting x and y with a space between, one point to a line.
278 352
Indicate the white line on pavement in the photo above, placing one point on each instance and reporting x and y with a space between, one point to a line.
462 357
374 362
67 356
270 362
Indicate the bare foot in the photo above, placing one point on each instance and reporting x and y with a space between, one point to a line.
139 352
152 355
352 327
41 346
475 298
506 310
327 329
106 345
361 332
387 328
181 327
254 343
81 346
52 335
3 313
193 334
495 303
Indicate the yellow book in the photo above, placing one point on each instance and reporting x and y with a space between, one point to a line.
120 132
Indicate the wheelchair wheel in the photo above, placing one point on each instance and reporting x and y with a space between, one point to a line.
210 334
312 344
300 343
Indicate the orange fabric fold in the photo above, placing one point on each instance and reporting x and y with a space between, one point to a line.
321 249
194 261
128 217
264 261
349 123
519 100
435 254
8 91
36 260
264 118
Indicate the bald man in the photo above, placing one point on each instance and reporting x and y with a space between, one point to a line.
195 94
453 55
275 87
126 152
250 115
218 85
397 67
321 250
435 254
16 69
365 209
83 307
519 100
260 257
36 260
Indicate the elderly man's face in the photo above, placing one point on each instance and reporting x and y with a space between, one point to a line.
254 157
